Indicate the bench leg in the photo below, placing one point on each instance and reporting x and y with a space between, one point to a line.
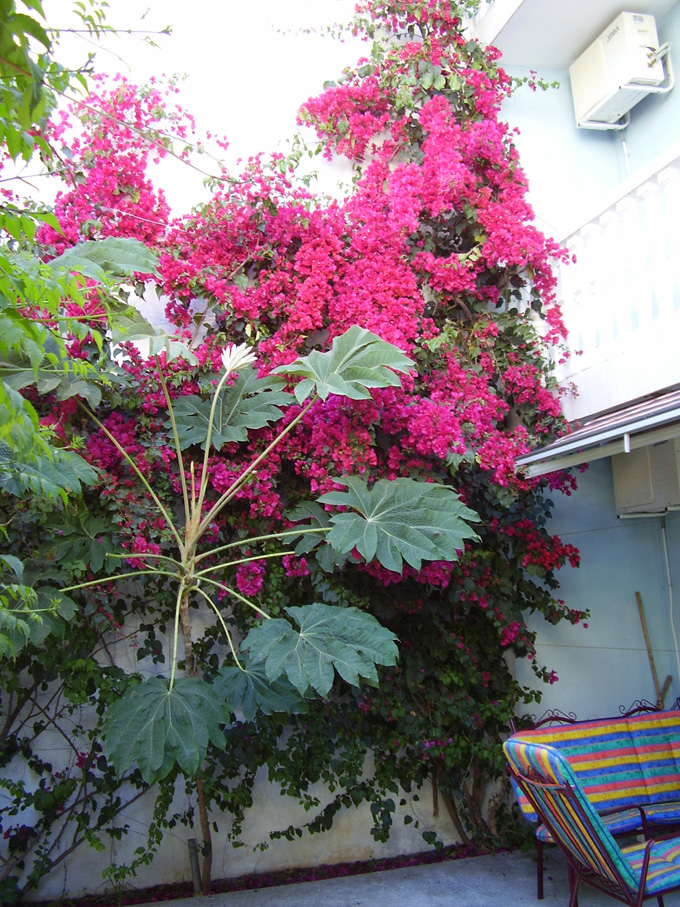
539 869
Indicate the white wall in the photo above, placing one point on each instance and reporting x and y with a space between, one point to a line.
348 841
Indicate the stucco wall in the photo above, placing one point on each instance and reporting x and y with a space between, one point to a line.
348 841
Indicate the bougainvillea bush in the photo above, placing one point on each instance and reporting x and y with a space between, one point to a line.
433 251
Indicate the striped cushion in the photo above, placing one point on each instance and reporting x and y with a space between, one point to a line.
592 846
620 762
580 828
664 864
618 823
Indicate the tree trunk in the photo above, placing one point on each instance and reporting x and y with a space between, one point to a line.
206 870
191 670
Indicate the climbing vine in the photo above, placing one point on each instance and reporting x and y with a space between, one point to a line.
434 251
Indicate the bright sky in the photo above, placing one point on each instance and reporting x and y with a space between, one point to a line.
248 66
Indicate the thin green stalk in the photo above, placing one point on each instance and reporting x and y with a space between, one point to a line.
262 538
204 473
241 598
237 483
117 576
175 436
175 637
242 560
131 462
224 626
128 556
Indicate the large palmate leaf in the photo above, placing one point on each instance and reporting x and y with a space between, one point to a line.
155 726
356 361
112 256
400 519
250 403
330 639
248 688
313 515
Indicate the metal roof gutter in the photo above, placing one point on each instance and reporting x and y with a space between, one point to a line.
590 443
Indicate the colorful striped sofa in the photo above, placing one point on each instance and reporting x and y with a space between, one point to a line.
628 767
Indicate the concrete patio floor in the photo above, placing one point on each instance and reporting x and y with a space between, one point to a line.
504 880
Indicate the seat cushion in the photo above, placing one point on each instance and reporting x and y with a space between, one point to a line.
664 864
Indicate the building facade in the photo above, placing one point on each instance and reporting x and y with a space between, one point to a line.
611 195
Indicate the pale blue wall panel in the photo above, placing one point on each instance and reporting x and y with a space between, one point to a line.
605 665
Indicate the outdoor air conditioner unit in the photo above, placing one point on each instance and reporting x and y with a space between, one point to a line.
621 67
647 480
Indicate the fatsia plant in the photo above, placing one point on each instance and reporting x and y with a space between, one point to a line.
281 661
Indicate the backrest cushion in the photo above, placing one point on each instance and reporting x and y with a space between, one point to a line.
573 820
603 756
656 737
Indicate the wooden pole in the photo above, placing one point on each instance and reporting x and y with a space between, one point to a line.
664 688
650 654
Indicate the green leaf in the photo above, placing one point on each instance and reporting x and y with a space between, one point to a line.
157 727
313 515
46 475
29 615
14 564
250 403
59 380
83 540
110 256
31 27
357 361
250 690
330 639
404 518
132 327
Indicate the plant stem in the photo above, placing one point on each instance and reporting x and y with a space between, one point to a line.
128 556
131 462
263 538
185 620
117 576
242 560
175 638
241 598
224 625
206 871
237 483
175 436
204 472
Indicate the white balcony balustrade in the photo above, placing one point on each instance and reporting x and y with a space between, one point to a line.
621 299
